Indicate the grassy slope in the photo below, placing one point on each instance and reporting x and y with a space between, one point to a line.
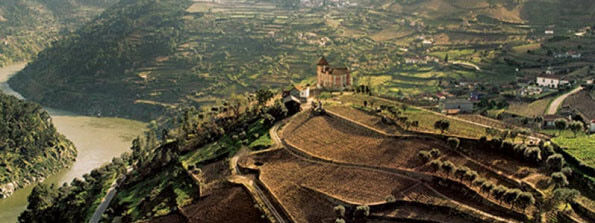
29 26
582 147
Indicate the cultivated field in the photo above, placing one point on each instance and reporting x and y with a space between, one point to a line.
301 186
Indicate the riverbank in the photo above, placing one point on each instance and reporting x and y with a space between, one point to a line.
98 140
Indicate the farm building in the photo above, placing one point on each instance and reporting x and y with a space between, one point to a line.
302 93
332 78
455 106
550 81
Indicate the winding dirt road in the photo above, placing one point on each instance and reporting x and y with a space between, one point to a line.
553 108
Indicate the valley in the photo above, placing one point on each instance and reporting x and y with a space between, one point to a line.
344 111
97 140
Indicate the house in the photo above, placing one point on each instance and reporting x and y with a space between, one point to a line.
549 32
531 90
592 126
338 78
302 93
456 106
548 81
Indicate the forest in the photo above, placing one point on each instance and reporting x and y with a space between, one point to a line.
30 146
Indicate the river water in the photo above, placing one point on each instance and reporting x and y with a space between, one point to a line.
97 140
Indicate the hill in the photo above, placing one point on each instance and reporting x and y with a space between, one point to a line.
31 149
29 26
154 55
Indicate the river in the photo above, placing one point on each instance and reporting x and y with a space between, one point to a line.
97 140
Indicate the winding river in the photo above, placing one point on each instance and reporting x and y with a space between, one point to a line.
97 140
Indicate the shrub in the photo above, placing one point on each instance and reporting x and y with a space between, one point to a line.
339 211
555 162
564 195
435 153
453 142
487 187
339 220
424 156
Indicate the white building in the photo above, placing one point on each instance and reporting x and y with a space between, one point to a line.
592 126
549 32
548 81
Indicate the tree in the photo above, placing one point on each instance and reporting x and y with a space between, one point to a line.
559 179
561 124
576 127
339 211
555 162
236 101
453 142
362 211
435 165
446 58
524 200
447 167
533 154
564 195
263 96
435 153
424 156
415 124
460 172
487 187
498 192
510 196
442 125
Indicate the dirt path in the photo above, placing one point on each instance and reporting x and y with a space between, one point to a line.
553 108
254 188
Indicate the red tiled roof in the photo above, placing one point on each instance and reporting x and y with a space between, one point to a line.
339 71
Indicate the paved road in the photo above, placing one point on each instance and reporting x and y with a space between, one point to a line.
106 200
558 101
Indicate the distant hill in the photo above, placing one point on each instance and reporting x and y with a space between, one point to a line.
29 26
30 147
142 57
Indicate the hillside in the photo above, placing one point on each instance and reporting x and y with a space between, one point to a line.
154 55
29 26
31 149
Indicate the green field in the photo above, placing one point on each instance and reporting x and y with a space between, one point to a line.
426 118
582 147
